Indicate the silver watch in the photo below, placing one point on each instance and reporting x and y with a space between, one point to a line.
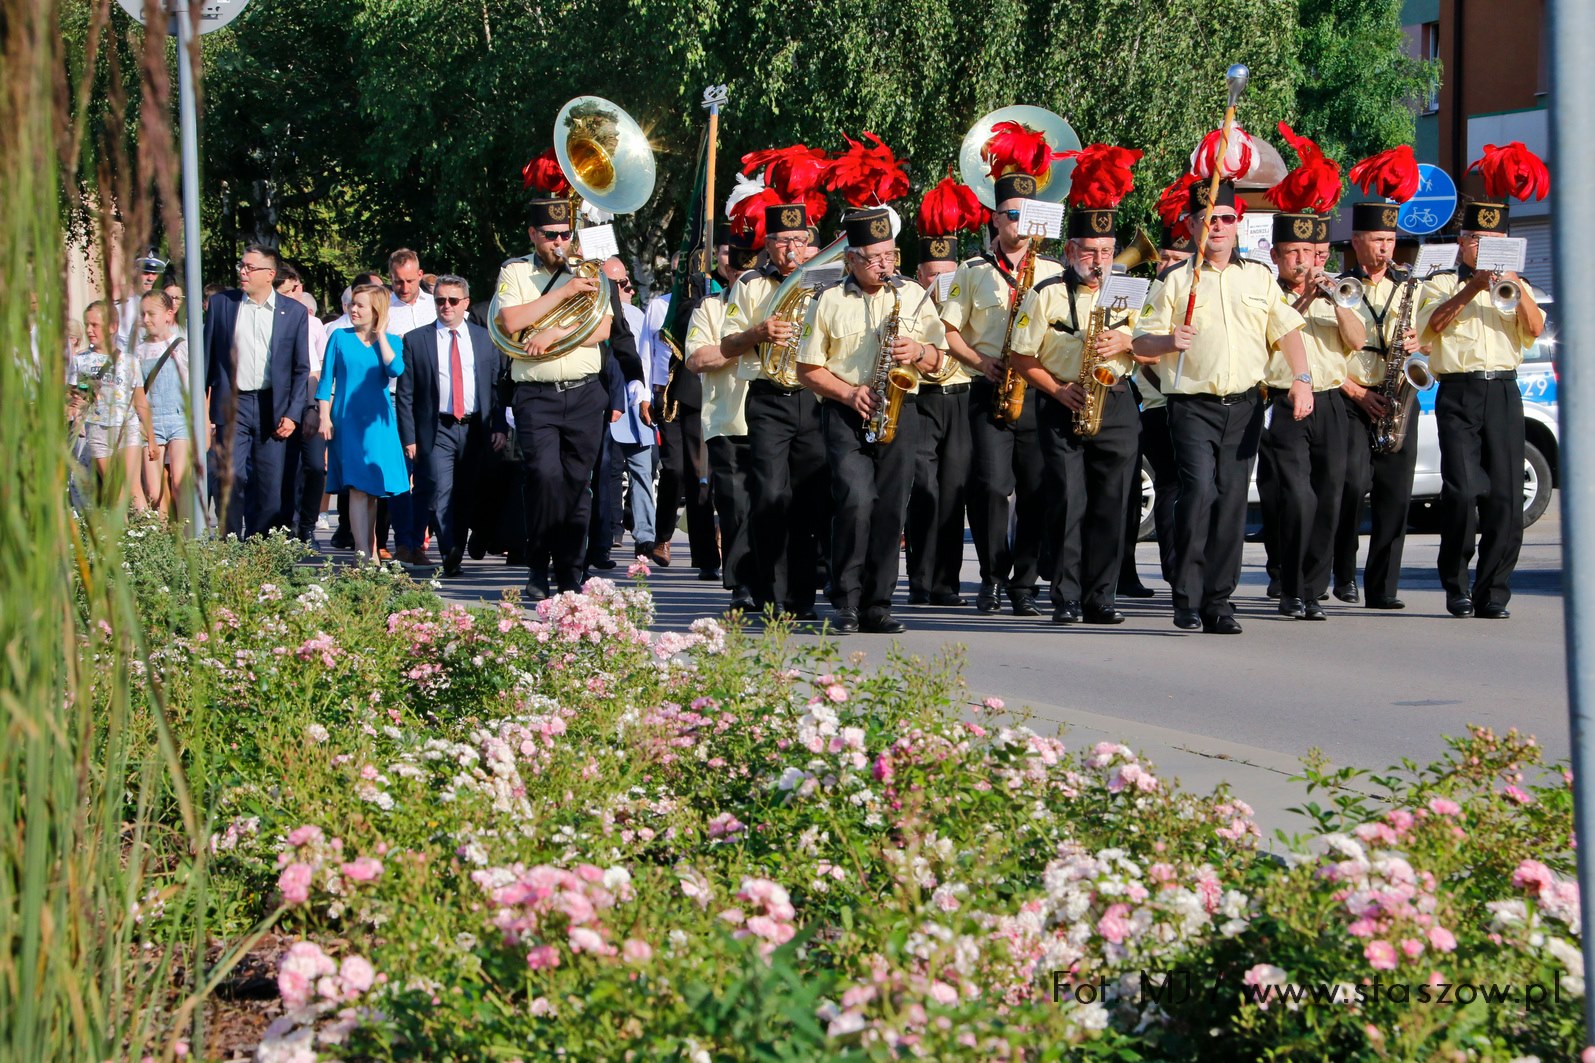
1305 378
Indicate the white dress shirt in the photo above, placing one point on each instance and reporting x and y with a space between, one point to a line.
467 368
318 346
406 317
252 343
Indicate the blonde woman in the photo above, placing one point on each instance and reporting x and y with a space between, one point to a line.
163 361
356 412
109 391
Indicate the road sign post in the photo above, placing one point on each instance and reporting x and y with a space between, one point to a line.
1430 209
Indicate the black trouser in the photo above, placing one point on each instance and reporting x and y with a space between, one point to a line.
731 463
1158 449
1386 481
791 492
255 461
1301 473
935 526
560 433
1007 461
443 484
683 473
1481 485
310 485
870 484
1088 483
1214 443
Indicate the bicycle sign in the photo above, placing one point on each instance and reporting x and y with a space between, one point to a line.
1431 208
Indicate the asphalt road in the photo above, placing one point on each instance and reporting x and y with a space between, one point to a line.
1367 688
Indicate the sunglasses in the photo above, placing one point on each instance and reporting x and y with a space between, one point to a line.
554 234
1011 215
451 300
1224 219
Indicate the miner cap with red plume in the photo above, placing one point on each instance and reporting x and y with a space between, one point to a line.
1101 179
1510 170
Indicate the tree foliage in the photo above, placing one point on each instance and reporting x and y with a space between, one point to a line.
344 128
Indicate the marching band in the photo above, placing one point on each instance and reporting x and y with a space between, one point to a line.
849 411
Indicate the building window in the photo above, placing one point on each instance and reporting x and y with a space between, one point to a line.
1429 42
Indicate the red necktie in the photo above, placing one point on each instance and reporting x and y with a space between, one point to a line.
456 375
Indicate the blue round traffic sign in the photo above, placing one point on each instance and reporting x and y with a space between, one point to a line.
1433 204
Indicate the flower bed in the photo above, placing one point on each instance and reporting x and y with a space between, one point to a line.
498 834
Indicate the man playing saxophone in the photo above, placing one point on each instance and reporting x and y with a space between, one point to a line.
1089 473
1302 463
855 336
1007 458
788 473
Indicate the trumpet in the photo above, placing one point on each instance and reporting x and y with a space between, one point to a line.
1505 295
1346 292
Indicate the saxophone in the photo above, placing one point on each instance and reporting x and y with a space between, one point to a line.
1404 377
1010 401
892 381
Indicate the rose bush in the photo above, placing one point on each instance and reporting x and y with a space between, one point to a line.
498 833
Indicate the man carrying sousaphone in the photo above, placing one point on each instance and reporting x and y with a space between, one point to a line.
559 402
853 336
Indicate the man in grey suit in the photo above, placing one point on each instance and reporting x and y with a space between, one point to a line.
446 407
257 350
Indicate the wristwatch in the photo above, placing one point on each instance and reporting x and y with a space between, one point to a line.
1305 378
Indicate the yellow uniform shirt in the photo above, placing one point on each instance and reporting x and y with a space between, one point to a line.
522 281
1147 377
1241 315
747 304
843 328
1327 352
1481 338
724 396
1051 328
1381 308
978 302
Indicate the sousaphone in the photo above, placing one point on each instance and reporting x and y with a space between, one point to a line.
605 156
975 167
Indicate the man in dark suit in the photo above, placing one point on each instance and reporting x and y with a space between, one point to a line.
257 347
445 405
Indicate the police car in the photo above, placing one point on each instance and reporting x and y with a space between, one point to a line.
1536 379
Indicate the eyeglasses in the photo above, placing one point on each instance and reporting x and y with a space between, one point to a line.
245 267
1223 219
881 259
626 285
451 300
790 241
554 234
1011 215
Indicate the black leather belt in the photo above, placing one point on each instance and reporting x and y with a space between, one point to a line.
1235 398
943 389
449 420
559 385
770 387
1482 374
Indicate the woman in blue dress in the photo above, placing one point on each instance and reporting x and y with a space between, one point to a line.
357 416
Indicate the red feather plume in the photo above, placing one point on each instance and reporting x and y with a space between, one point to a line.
795 173
544 172
1172 203
866 176
950 207
1239 154
1314 185
747 214
1512 170
1101 175
1013 147
1392 174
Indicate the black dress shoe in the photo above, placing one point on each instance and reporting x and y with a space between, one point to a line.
883 624
1386 603
1315 612
947 599
1347 592
1222 625
846 622
986 601
1459 606
342 540
602 564
1024 602
1067 612
476 546
1494 612
742 599
453 563
536 590
1273 588
806 615
709 575
1295 608
1187 619
1109 615
1136 590
918 598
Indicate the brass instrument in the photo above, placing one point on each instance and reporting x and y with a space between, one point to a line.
790 303
1345 292
974 167
1504 296
605 156
677 360
1141 251
892 381
1096 375
1404 377
1010 398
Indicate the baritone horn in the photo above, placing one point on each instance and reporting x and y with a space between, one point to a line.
605 156
1141 251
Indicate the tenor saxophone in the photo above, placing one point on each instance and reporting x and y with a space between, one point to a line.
892 381
1404 377
1010 398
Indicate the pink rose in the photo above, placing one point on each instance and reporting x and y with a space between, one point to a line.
540 957
1412 947
584 939
943 994
1442 939
357 975
1533 876
294 882
1381 955
1442 806
364 869
635 951
1114 926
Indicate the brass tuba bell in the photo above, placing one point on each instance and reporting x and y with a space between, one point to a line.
1141 251
605 156
975 167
